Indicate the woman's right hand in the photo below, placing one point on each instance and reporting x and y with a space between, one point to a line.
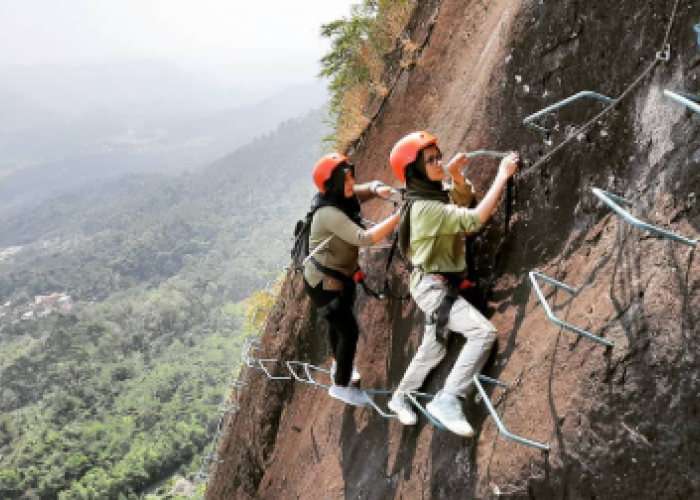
509 165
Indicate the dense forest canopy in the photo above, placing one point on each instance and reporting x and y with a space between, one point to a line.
122 389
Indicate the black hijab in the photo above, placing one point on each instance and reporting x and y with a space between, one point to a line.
418 187
335 196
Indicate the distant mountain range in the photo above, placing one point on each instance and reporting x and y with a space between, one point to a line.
65 128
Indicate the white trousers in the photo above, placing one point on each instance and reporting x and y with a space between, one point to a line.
464 319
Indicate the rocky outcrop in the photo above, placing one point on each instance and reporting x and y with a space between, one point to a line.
622 422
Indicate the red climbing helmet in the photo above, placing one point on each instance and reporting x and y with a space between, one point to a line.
406 151
325 166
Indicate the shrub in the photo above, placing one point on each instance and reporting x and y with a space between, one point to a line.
355 64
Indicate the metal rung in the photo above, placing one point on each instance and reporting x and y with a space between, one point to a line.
549 109
262 367
497 419
370 392
307 369
481 152
307 378
484 152
684 99
305 366
533 278
612 201
421 408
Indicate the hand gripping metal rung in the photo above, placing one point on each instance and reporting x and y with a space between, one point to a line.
684 99
550 109
612 201
502 428
543 301
481 152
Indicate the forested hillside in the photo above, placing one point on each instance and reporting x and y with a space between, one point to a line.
116 384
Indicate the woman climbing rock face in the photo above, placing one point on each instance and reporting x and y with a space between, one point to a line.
336 234
430 234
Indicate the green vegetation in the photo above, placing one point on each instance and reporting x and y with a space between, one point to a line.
355 64
124 392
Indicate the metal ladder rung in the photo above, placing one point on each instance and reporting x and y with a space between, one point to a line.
612 201
485 152
502 428
548 311
550 109
684 99
421 408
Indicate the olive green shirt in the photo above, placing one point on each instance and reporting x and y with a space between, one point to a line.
437 233
341 251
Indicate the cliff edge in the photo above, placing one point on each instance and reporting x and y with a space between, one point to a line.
622 422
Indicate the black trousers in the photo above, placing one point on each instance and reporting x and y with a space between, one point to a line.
343 330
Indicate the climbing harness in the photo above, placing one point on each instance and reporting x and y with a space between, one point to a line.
301 248
441 315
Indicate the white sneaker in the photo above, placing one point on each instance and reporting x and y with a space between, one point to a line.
351 395
401 405
447 409
354 378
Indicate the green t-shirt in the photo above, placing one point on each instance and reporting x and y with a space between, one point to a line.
437 233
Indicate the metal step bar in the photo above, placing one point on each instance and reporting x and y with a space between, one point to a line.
550 109
614 202
548 311
688 100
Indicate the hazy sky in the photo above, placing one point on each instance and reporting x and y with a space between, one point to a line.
243 41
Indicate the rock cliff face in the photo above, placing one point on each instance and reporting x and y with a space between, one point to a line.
621 422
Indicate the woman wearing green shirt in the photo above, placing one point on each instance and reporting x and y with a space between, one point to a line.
431 235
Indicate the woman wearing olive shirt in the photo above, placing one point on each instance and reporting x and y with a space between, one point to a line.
431 235
336 234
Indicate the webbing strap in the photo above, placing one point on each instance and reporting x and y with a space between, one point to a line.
442 314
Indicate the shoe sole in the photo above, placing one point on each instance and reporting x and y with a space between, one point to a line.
351 403
436 417
413 421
